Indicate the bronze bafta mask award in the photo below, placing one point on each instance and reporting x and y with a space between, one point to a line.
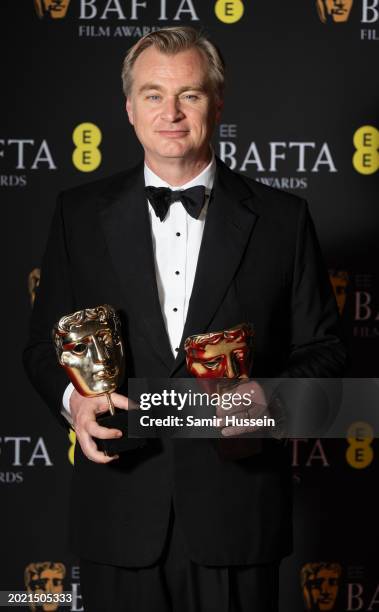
224 354
89 347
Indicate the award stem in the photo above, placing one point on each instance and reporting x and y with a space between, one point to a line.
110 404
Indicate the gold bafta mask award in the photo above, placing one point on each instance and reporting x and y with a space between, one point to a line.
89 347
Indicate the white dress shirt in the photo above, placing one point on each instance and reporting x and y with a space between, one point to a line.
176 244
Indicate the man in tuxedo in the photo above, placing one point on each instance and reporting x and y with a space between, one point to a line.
175 525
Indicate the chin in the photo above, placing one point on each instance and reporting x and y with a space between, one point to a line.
108 388
173 152
102 387
171 147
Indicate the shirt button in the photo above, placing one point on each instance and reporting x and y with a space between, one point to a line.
177 349
178 233
175 309
177 272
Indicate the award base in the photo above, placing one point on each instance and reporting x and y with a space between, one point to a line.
117 445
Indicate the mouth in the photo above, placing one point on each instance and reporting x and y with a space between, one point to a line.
173 133
105 374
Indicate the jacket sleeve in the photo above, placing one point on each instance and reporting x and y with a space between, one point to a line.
317 357
54 298
316 346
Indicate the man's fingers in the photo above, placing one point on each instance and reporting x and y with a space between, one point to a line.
254 412
104 433
235 430
241 419
250 389
235 409
88 428
120 401
91 451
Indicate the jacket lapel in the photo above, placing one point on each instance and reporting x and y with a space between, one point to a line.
229 223
125 220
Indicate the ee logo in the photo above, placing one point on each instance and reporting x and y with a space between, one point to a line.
359 453
366 156
229 11
86 156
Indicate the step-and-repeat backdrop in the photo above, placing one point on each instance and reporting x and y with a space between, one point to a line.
301 114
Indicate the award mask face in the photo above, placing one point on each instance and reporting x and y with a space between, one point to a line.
224 354
45 577
340 281
337 10
54 8
320 585
89 347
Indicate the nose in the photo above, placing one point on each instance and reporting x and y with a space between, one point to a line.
231 371
171 110
324 589
49 586
98 351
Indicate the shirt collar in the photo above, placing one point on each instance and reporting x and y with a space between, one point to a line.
206 178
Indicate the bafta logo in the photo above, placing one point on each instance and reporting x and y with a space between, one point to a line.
340 281
56 9
337 11
44 577
319 583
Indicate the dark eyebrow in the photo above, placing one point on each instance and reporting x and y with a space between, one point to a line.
149 86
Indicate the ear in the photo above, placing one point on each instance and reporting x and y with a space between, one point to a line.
129 110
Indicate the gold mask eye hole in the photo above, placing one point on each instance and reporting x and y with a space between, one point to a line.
79 348
211 365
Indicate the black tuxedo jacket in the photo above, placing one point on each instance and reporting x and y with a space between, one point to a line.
259 262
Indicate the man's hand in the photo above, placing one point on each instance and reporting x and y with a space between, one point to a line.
83 411
256 409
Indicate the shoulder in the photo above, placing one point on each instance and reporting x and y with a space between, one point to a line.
104 188
265 199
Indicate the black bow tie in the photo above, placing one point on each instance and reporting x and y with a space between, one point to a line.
161 198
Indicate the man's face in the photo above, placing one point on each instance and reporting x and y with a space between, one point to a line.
92 356
323 589
223 357
171 105
338 10
48 581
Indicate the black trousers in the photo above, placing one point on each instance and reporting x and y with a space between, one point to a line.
177 584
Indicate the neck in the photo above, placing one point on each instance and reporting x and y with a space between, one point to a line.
178 171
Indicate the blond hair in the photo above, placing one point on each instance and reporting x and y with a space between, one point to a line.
171 41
